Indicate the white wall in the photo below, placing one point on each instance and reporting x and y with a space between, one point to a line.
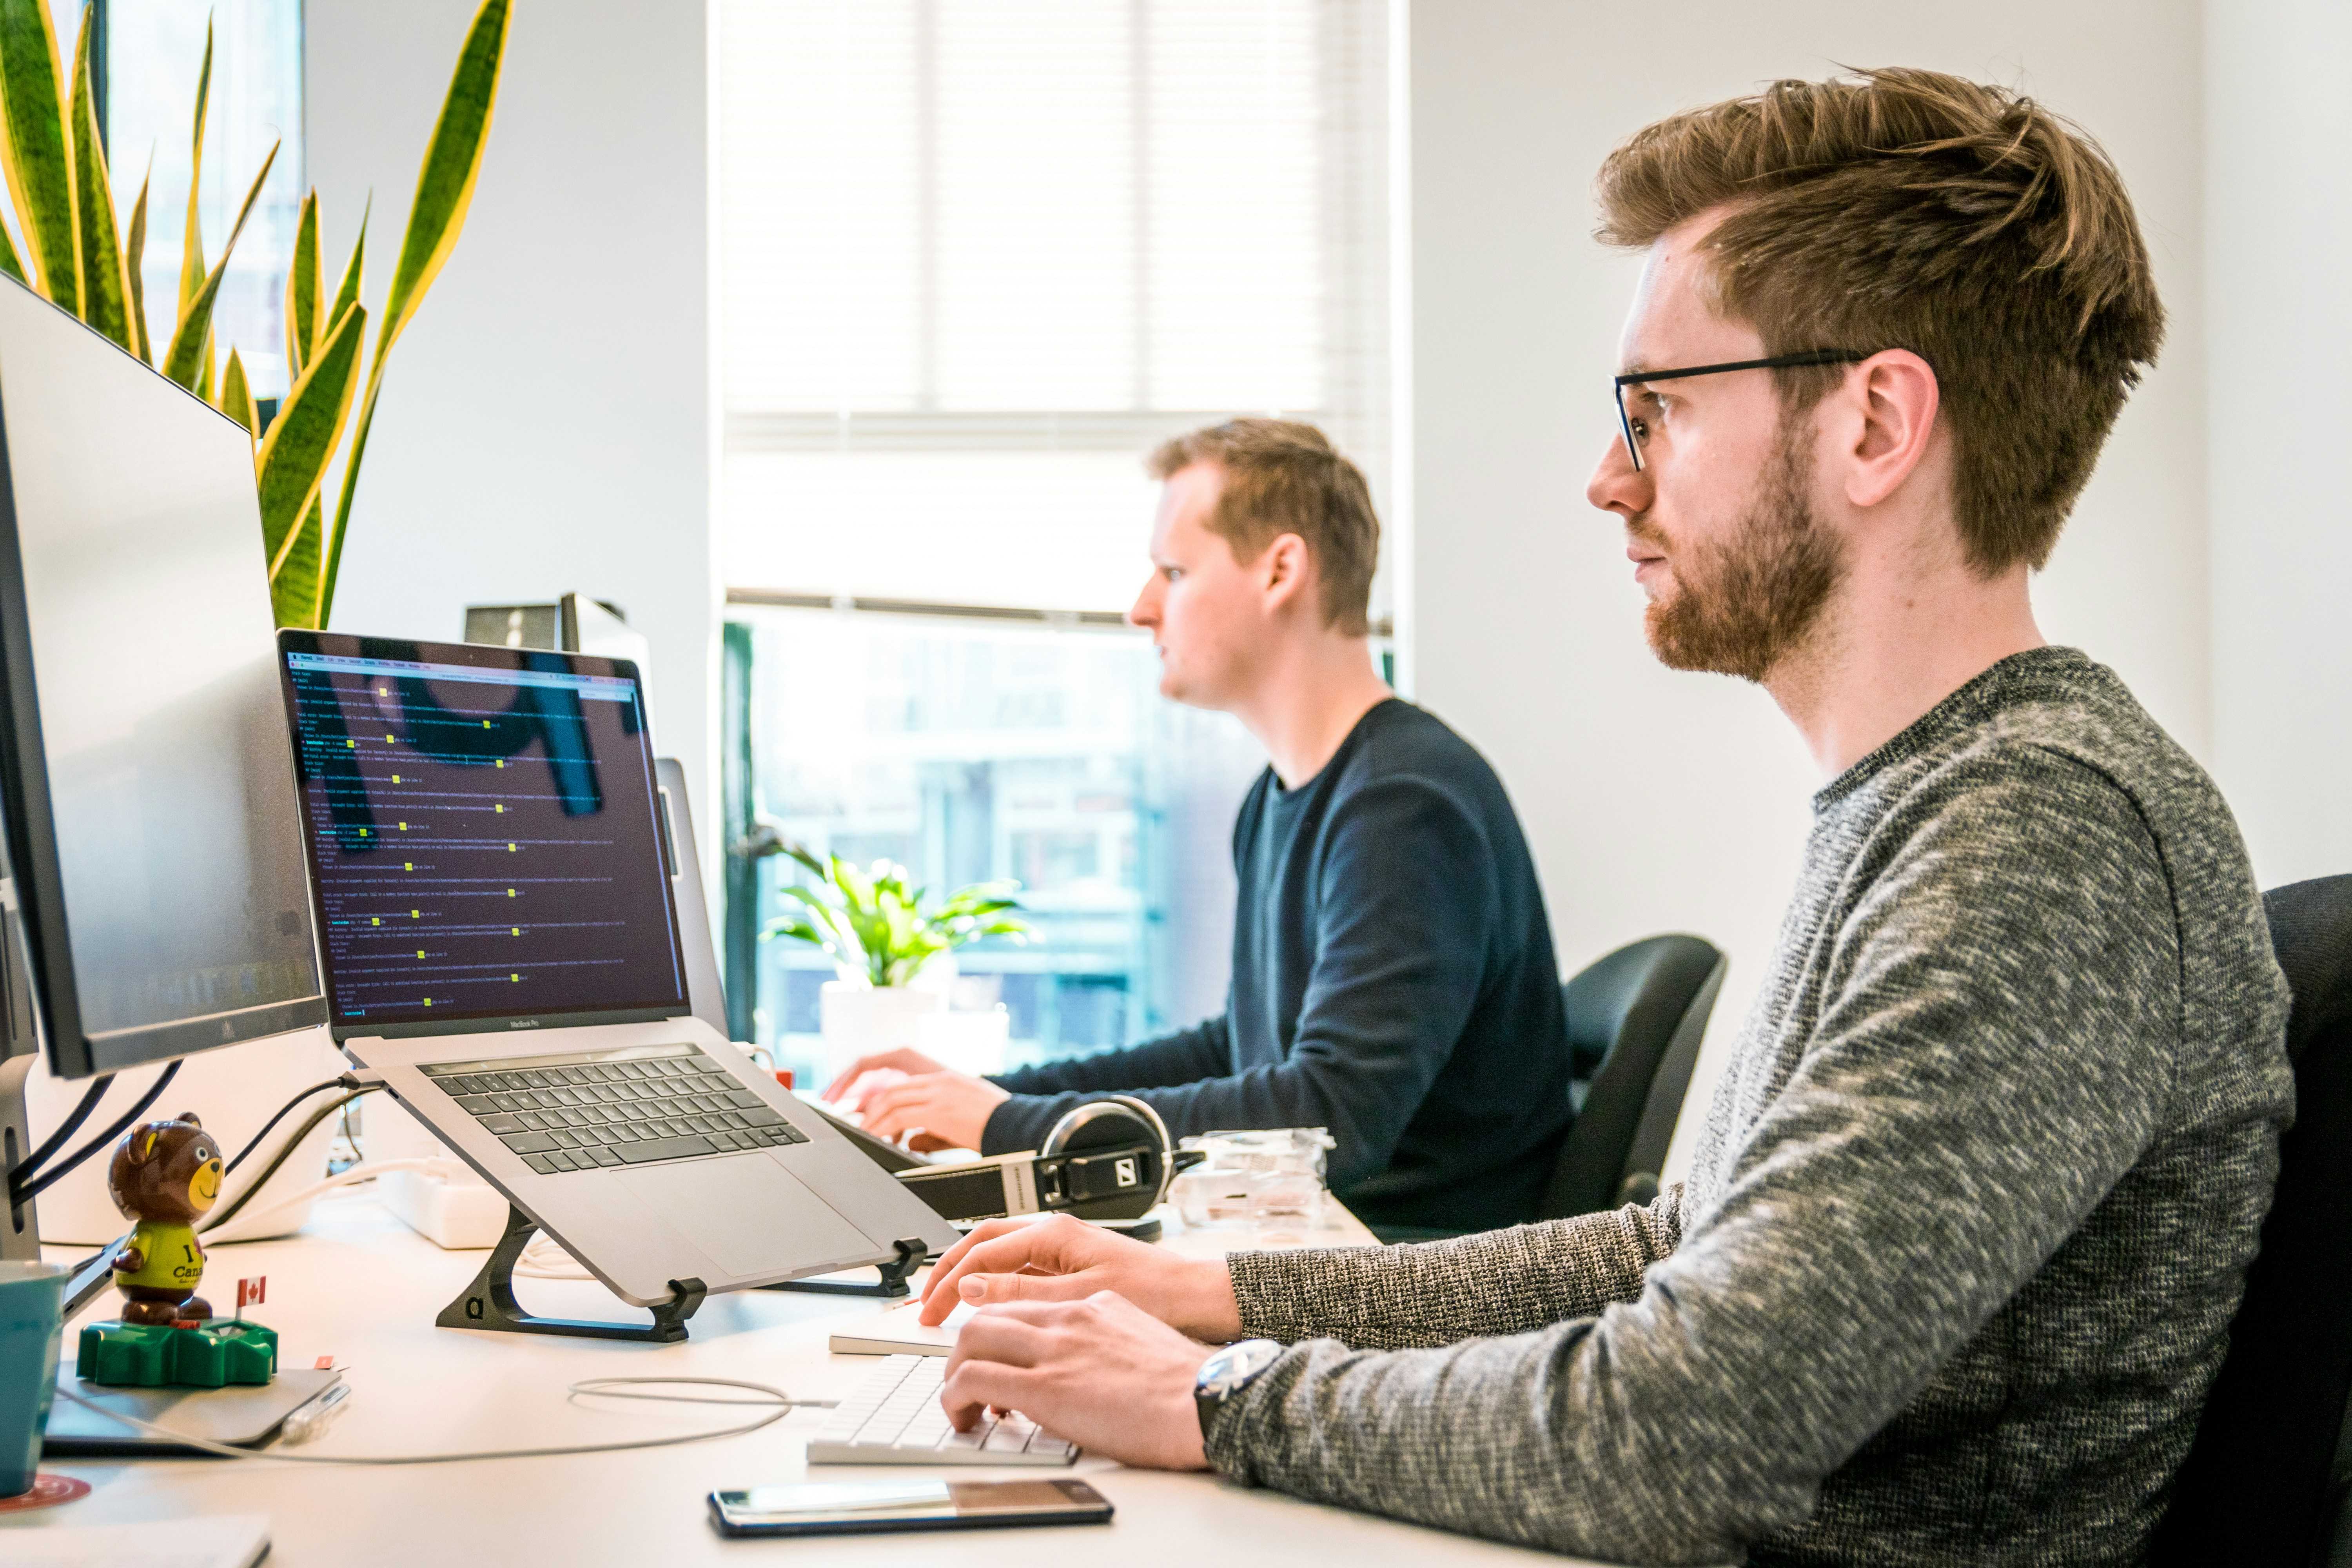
2278 246
545 421
1658 801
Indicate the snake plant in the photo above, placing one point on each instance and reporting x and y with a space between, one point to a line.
74 256
873 922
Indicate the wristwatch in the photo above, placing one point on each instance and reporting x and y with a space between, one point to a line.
1227 1372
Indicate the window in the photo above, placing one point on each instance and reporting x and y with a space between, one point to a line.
155 49
977 256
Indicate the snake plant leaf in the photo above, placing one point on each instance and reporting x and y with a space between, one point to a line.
452 162
292 465
445 190
189 358
105 290
294 592
8 262
192 242
347 293
237 397
36 155
302 285
134 256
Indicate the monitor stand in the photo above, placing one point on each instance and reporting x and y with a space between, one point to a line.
20 1232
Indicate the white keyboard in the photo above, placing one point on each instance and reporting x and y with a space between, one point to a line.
895 1418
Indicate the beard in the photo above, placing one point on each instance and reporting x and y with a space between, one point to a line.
1740 606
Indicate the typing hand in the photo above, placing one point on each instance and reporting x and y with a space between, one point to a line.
948 1107
1066 1259
1102 1372
901 1061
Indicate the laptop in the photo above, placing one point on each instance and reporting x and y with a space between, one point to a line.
504 951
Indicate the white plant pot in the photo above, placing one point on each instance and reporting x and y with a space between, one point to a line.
974 1042
859 1020
233 1090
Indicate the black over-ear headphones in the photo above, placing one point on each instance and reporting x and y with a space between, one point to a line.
1109 1159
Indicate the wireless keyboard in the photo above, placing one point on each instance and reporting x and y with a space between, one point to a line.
895 1418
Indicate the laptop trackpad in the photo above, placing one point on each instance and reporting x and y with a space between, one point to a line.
751 1216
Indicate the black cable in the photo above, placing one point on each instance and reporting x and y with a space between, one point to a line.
285 1153
25 1166
57 1172
344 1080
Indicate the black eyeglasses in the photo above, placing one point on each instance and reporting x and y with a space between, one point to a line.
1777 362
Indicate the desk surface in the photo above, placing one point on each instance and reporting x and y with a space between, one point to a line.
359 1286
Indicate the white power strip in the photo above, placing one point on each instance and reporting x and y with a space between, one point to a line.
457 1214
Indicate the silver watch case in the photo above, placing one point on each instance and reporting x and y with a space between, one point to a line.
1228 1370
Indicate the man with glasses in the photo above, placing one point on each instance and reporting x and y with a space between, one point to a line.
1954 1263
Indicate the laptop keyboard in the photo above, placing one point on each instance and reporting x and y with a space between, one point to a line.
638 1105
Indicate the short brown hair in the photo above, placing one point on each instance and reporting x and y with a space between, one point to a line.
1283 476
1910 210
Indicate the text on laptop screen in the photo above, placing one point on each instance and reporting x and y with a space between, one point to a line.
484 840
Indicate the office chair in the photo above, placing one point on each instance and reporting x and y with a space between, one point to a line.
1635 1019
2269 1478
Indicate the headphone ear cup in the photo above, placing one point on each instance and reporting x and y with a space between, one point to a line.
1110 1121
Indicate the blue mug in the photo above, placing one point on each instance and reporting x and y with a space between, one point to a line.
32 1327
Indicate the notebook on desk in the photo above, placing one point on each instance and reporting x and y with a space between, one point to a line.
900 1332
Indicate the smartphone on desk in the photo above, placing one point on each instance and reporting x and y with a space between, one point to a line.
862 1508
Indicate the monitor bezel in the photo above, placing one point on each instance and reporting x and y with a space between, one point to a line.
478 656
30 829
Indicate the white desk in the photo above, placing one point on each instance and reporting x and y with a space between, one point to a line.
360 1287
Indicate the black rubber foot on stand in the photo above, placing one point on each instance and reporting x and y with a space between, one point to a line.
489 1301
892 1284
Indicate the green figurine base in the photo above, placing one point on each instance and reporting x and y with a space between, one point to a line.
154 1355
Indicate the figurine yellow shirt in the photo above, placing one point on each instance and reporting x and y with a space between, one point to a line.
170 1257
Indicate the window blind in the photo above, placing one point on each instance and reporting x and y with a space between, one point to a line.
977 256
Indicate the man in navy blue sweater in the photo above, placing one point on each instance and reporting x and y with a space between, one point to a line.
1393 978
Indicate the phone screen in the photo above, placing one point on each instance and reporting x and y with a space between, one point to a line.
835 1508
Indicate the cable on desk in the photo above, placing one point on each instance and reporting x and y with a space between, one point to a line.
221 1216
25 1167
67 1164
781 1404
345 1081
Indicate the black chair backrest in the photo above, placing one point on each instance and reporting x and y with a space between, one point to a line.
1635 1021
2266 1479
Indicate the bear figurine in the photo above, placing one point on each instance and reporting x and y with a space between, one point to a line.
164 1175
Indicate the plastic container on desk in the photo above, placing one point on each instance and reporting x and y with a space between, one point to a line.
1261 1177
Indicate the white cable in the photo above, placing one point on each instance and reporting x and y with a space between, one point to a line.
367 1170
601 1388
544 1258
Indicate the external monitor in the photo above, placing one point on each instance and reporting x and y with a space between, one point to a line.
151 825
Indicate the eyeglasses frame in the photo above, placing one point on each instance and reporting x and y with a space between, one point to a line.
1777 362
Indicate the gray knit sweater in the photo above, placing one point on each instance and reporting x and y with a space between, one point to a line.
1956 1257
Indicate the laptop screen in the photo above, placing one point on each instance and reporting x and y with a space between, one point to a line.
483 835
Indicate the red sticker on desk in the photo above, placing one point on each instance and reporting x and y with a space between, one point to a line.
324 1363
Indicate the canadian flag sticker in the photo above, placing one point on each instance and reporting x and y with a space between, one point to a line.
252 1292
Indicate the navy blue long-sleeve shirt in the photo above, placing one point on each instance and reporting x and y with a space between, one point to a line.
1393 981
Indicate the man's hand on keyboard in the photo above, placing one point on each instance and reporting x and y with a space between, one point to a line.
1102 1372
1066 1259
951 1107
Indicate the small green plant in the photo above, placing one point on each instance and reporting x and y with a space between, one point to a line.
63 196
873 921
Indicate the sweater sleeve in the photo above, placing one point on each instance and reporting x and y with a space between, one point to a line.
1503 1282
1993 1052
1411 910
1041 1094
